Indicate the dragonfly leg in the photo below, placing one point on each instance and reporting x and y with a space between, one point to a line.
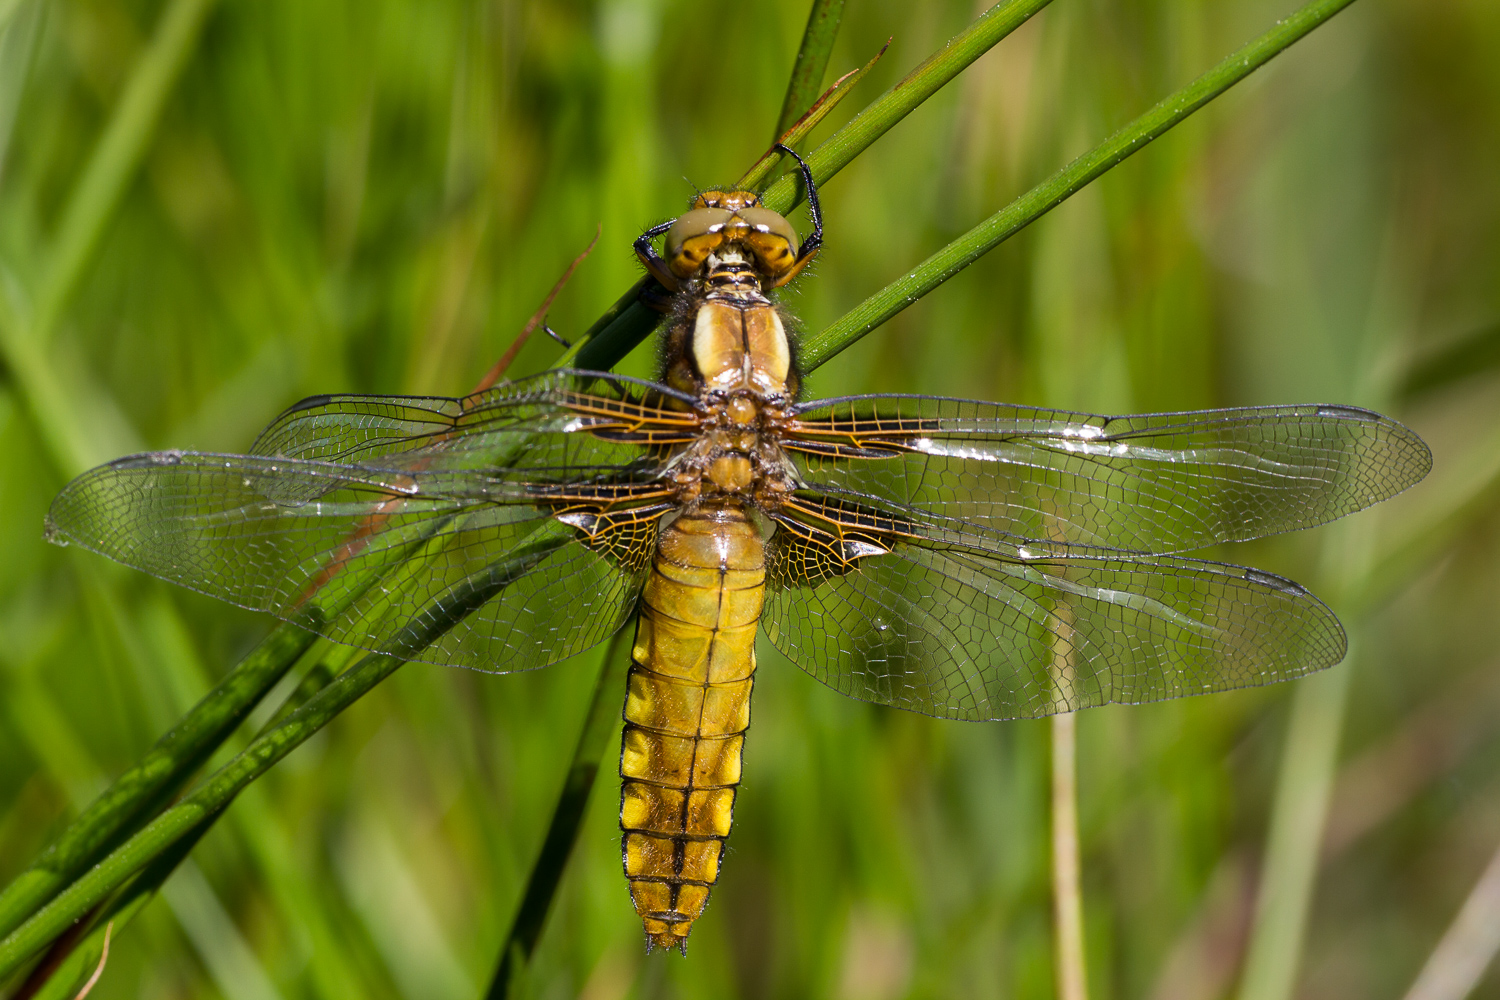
814 241
648 256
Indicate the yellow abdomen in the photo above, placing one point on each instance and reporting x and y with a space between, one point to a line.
686 713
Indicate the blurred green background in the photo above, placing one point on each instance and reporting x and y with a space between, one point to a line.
375 195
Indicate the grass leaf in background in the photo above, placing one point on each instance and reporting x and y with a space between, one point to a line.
1004 224
1475 355
812 61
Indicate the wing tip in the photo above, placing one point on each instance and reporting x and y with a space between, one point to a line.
1400 449
53 533
1407 455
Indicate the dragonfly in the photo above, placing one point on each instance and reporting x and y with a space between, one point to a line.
963 559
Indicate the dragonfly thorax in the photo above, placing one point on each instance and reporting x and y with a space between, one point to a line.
737 457
739 345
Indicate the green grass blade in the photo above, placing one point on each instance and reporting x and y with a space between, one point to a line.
116 157
18 38
1052 192
1476 354
936 72
24 333
1298 816
156 777
547 871
802 127
70 445
812 61
179 820
220 788
68 972
1458 963
265 838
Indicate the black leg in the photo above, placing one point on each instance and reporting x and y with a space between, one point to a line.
653 260
815 240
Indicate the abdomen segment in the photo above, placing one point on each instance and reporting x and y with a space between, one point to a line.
686 713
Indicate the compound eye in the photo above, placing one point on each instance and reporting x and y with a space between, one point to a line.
763 220
698 222
693 237
772 239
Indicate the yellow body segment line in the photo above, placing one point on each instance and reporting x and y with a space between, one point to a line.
686 712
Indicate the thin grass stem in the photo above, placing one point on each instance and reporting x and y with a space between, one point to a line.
331 969
1457 964
1062 185
936 71
1298 816
812 61
156 776
754 178
70 445
194 811
562 832
116 157
1067 889
58 975
219 789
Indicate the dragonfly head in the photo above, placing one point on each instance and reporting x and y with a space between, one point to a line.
719 220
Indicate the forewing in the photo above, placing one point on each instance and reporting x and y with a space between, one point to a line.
435 566
545 426
1167 482
963 623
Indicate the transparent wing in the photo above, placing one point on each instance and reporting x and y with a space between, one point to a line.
449 568
545 425
1166 482
943 618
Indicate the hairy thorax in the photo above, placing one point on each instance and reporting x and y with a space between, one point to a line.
730 348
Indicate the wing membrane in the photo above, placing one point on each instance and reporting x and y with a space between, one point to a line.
372 554
545 424
949 619
1153 483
